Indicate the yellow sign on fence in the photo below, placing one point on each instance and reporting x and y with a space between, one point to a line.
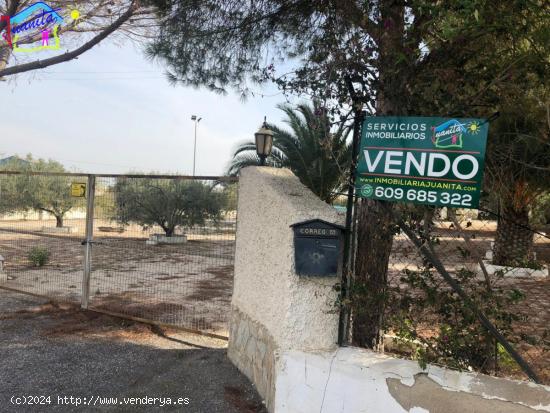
78 189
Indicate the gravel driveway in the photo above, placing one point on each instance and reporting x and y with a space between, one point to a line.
61 351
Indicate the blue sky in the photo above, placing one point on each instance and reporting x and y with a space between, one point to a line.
112 111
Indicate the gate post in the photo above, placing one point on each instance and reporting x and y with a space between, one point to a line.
90 195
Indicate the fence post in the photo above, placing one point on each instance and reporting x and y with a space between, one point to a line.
90 195
348 258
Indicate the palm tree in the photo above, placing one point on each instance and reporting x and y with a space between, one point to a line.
316 153
518 172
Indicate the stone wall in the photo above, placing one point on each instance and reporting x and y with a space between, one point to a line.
273 309
253 348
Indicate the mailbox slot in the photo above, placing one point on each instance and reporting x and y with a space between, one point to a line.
318 248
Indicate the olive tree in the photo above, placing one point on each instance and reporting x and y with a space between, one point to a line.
9 202
24 191
168 203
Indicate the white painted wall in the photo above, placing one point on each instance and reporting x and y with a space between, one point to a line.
297 311
354 380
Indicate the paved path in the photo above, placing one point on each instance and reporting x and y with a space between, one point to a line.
51 350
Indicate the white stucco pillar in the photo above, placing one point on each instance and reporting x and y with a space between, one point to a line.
274 309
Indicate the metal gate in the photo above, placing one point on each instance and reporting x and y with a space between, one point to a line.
156 248
30 237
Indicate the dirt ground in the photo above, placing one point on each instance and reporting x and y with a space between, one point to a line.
190 285
55 350
531 331
187 285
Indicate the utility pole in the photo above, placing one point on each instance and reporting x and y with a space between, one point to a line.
195 119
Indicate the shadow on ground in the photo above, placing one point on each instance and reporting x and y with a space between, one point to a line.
54 350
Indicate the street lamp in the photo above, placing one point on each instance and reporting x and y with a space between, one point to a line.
264 142
196 120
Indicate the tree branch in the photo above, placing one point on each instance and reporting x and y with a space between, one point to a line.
40 64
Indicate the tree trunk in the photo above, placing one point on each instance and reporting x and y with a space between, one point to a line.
169 231
375 225
513 242
4 57
59 221
5 52
374 242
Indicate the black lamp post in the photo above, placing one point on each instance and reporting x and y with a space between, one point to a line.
264 142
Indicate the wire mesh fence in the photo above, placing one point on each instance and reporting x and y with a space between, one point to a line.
41 229
162 247
181 274
426 319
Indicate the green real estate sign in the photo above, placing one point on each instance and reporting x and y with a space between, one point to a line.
434 161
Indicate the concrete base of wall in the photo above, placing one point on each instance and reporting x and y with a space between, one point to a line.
252 349
357 380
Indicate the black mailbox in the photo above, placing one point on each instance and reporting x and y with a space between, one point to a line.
318 248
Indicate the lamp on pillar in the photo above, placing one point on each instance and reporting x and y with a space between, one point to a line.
264 142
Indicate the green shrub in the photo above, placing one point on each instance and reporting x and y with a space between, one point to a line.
421 308
39 256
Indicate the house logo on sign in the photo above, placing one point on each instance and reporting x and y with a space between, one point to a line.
448 135
37 25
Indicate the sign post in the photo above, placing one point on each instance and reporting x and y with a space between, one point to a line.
423 160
